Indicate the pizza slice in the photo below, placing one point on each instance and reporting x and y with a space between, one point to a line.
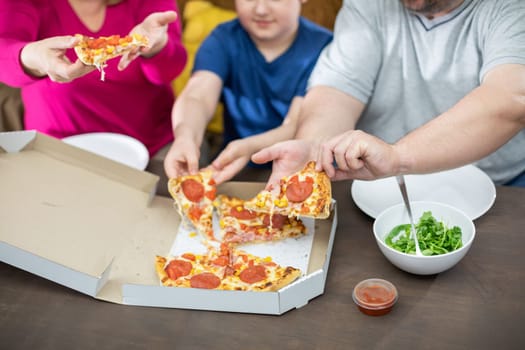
224 269
253 273
306 193
206 271
96 51
239 225
194 196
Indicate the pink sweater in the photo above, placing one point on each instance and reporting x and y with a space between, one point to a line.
135 102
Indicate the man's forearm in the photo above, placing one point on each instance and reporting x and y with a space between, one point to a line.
326 112
476 126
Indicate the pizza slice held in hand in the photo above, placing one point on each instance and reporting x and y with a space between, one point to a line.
96 51
194 196
306 193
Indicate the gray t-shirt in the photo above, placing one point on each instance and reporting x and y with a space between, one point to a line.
408 69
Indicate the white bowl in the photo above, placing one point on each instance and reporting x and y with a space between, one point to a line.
423 265
118 147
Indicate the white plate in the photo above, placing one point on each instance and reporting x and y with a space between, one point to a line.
121 148
467 188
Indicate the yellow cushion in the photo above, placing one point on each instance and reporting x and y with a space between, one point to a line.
200 18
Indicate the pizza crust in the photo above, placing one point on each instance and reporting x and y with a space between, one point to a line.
289 275
160 263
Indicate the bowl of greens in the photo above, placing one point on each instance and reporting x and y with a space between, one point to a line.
445 235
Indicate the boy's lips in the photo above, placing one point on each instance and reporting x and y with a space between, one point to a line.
263 23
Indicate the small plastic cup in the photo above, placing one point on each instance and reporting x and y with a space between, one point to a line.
375 296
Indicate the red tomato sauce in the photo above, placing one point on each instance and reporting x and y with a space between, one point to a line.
375 297
375 294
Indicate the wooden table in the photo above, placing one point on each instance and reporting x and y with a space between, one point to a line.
479 304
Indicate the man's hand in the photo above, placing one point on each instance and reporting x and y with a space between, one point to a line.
288 157
358 155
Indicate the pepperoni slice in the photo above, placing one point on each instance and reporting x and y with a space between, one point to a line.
222 260
243 214
195 213
193 190
211 194
205 280
113 40
178 268
253 274
297 191
277 221
189 256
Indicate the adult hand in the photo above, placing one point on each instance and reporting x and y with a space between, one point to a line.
287 156
48 57
358 155
182 158
155 28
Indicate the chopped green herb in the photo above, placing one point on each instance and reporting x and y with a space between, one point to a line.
433 236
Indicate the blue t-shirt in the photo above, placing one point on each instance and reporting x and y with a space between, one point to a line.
257 94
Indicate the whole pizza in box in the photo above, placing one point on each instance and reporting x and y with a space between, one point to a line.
271 216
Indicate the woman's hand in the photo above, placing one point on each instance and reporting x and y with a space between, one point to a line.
155 28
47 57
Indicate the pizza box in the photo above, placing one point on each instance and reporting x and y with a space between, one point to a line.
95 225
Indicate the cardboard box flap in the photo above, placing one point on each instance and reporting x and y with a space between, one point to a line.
152 235
64 275
293 296
202 299
65 213
324 241
14 142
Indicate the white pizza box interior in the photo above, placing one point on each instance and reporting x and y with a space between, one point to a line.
95 225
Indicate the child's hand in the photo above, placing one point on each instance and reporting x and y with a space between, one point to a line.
231 160
182 158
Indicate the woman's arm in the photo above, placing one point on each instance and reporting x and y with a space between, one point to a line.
167 58
19 21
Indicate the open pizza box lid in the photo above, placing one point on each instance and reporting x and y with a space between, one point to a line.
95 225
